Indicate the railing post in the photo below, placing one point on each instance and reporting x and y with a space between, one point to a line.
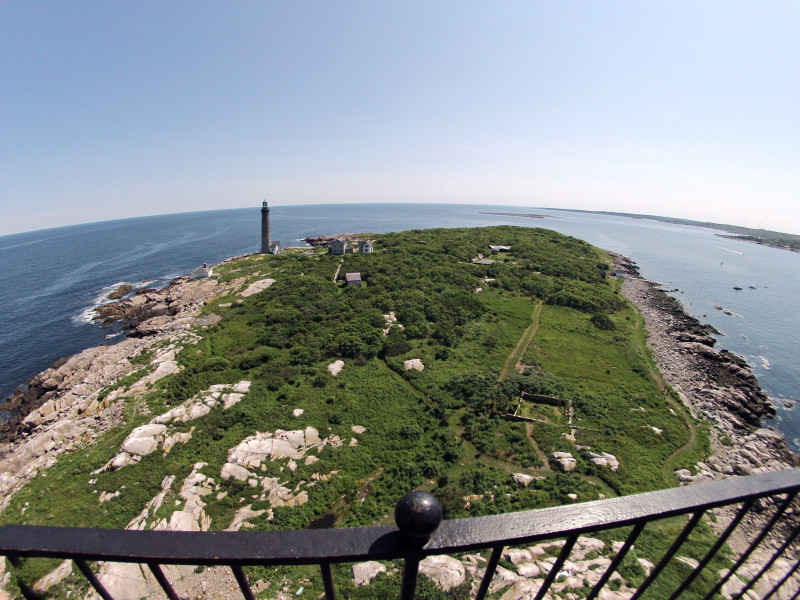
327 580
417 515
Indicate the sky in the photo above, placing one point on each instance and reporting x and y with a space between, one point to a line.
120 109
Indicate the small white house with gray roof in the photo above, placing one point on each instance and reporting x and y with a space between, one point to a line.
199 272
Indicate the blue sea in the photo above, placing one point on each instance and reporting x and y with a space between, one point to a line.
51 280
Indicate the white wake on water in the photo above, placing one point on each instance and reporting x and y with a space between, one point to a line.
89 314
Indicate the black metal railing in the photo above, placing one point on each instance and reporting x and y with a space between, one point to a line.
421 533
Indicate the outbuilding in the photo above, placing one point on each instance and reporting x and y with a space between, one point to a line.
199 272
353 279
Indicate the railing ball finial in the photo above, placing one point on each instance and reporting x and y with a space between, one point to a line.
418 514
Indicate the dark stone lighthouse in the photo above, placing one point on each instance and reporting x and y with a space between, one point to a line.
265 234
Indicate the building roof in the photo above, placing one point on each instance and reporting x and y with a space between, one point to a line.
200 272
352 277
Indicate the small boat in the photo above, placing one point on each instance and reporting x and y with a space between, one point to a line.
752 287
737 287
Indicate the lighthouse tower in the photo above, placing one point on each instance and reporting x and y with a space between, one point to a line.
265 234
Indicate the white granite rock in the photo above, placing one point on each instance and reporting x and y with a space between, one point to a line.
54 577
413 363
522 478
365 572
564 461
445 571
335 367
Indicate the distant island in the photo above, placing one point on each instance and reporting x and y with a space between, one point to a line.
501 368
765 237
508 214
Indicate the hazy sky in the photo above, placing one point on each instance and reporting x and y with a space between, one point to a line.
118 109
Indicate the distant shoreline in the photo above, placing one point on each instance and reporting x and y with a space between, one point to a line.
764 237
507 214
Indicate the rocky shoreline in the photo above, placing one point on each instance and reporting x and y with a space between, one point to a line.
148 316
720 387
716 385
66 406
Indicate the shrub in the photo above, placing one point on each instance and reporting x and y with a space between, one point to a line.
603 321
215 363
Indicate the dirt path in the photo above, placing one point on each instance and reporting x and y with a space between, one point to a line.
514 360
339 268
542 456
518 352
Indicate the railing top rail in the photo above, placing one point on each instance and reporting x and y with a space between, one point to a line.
353 544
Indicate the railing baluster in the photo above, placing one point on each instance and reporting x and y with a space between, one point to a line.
27 592
785 578
89 574
410 575
562 558
612 568
327 580
771 561
24 589
759 538
796 595
670 553
714 549
488 575
244 585
162 581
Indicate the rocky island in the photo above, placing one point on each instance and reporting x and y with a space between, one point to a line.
247 401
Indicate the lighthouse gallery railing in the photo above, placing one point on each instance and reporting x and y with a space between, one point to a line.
324 547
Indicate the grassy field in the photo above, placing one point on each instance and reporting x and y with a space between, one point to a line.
546 320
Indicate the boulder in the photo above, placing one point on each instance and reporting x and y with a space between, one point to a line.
242 517
256 287
335 367
231 399
364 573
522 478
604 459
563 461
236 471
522 590
445 571
414 363
140 446
53 577
516 556
150 430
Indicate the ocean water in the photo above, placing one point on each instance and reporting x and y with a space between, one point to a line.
51 280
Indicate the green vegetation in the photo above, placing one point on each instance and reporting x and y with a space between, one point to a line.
546 321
